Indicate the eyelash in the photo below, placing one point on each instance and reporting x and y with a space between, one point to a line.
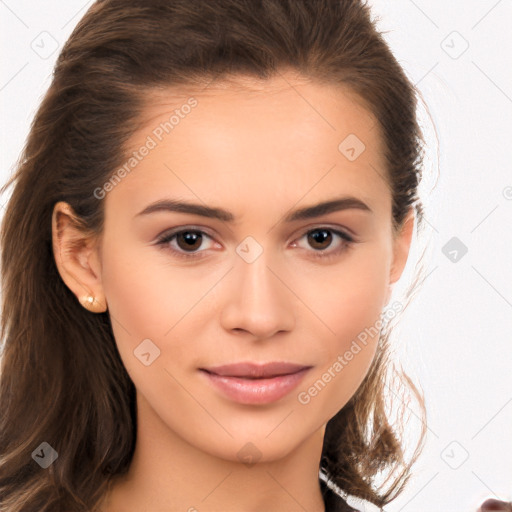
347 242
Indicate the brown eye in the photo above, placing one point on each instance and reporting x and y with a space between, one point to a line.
322 244
319 238
189 240
186 243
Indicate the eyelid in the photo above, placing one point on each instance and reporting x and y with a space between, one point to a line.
326 225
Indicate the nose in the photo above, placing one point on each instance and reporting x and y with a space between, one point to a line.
257 299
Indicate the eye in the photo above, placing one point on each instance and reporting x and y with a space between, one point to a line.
321 239
188 241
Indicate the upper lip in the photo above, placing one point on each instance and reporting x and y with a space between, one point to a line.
256 370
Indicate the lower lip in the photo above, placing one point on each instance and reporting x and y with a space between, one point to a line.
256 391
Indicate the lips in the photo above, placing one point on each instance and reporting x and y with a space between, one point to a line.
250 370
253 383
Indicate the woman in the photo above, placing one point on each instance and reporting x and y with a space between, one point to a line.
213 205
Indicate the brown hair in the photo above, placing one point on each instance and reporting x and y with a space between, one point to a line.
62 379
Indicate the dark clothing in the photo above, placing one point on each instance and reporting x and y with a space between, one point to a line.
333 501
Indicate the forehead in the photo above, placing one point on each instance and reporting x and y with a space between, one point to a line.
274 104
281 137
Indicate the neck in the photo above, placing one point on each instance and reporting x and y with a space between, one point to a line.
167 473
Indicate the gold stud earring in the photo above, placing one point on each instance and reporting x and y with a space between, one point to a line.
89 302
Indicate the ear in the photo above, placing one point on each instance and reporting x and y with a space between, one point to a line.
401 245
76 253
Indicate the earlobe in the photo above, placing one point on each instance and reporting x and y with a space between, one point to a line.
401 247
76 258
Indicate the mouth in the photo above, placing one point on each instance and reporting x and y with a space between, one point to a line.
252 383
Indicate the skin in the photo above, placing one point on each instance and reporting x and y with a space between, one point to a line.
259 150
496 505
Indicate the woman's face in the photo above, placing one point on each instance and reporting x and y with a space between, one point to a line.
247 283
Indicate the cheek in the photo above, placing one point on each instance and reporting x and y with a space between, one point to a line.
351 306
349 297
148 298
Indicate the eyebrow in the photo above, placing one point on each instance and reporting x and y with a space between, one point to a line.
309 212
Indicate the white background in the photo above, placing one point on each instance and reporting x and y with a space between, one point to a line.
455 338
